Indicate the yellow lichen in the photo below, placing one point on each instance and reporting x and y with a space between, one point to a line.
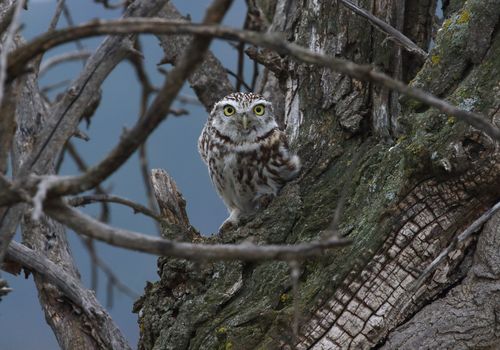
284 297
221 330
451 120
229 346
464 17
435 59
446 23
401 139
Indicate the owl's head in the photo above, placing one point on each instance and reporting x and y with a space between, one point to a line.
243 116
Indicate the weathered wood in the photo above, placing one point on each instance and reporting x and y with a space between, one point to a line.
411 193
93 328
170 201
209 81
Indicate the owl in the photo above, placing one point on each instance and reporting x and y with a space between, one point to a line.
247 155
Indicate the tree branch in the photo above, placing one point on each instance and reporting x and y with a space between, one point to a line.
97 198
474 227
90 227
156 113
64 57
7 44
209 80
271 41
394 34
73 290
66 114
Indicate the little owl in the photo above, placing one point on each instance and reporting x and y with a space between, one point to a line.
248 157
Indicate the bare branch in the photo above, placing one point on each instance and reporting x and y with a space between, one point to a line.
65 57
474 227
57 14
82 166
172 204
394 34
90 227
72 289
156 113
147 89
97 262
209 80
108 198
272 41
239 80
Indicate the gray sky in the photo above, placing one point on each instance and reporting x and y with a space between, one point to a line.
172 147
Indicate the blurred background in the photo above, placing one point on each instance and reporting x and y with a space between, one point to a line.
173 147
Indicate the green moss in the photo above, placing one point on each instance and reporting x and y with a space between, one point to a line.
463 17
435 59
284 297
221 330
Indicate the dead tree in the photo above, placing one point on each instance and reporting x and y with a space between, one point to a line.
422 178
378 244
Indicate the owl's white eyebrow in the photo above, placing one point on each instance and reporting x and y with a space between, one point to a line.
261 102
224 103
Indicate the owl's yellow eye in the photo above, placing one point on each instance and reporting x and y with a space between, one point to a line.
259 109
229 110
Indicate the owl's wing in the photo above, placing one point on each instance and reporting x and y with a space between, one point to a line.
291 162
203 144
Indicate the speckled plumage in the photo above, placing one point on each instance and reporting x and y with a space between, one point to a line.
248 157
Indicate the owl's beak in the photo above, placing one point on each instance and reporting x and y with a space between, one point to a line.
245 122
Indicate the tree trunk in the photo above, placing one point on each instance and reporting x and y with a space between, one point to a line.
420 179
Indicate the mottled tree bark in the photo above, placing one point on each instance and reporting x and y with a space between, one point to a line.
421 179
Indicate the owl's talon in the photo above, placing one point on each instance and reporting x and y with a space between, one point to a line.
264 201
226 226
247 155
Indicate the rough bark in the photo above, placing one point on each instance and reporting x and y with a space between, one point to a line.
421 179
74 327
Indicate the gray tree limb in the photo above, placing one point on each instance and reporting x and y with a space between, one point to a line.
271 41
66 114
81 298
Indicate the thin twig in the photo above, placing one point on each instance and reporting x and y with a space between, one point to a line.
70 21
255 75
147 90
474 227
64 57
82 166
108 198
394 34
113 279
270 40
239 80
53 23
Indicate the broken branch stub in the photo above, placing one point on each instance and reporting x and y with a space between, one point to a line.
172 206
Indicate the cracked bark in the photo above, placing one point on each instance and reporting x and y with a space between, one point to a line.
421 180
73 327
